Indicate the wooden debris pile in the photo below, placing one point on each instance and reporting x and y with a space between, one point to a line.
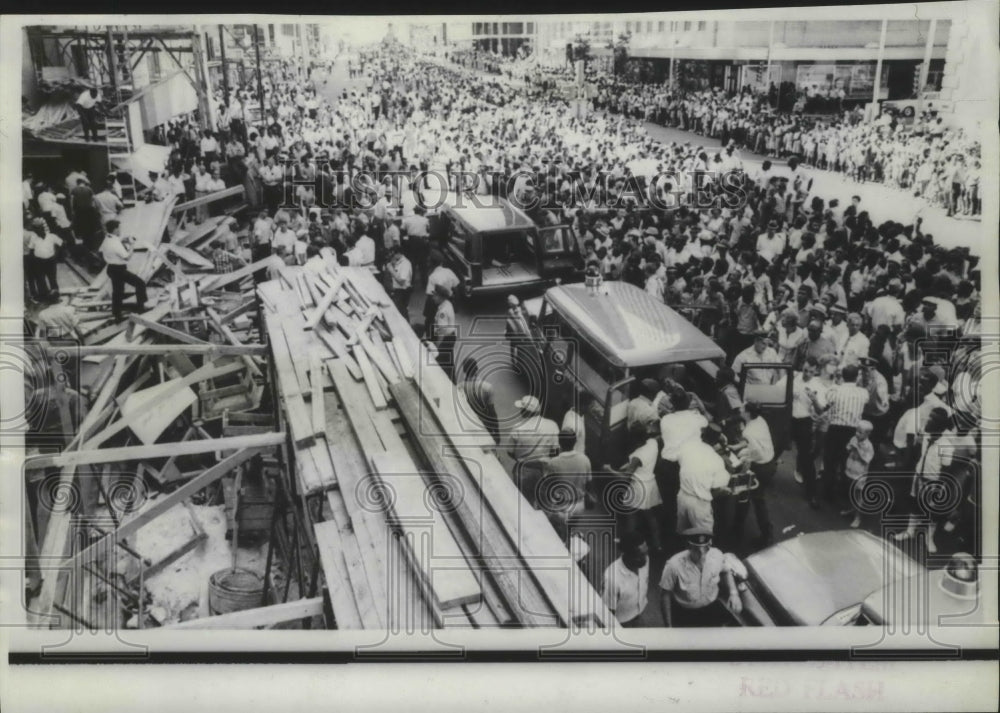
416 522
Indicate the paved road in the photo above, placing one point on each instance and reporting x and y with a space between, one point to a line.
481 327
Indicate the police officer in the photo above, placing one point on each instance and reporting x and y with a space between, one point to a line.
690 591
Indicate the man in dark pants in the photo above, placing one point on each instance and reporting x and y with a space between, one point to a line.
846 403
760 453
86 107
116 252
689 586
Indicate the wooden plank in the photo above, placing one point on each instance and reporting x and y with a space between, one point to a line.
216 282
159 450
347 459
210 350
324 304
371 381
162 564
298 348
331 539
192 257
339 350
57 529
438 558
184 238
228 335
163 504
494 545
316 401
210 198
248 305
208 371
261 617
307 470
176 334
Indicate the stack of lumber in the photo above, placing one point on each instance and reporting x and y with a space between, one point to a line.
412 493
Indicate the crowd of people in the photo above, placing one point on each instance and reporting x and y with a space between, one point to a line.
942 165
857 315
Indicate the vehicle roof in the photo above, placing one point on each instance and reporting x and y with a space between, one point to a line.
490 214
921 599
631 327
816 575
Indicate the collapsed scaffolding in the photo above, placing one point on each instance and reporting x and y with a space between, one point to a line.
276 452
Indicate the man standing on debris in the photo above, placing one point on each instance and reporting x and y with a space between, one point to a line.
116 252
86 107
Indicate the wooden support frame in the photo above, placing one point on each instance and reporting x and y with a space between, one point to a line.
260 617
159 450
162 505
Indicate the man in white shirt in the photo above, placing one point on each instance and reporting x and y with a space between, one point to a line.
362 253
760 352
680 426
43 246
440 275
116 252
401 280
760 453
856 346
770 244
701 471
86 107
625 584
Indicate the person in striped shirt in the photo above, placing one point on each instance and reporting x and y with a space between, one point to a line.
845 405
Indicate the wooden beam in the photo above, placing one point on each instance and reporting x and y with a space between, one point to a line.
228 335
180 336
259 617
438 562
215 282
159 450
208 371
210 198
327 300
211 350
165 503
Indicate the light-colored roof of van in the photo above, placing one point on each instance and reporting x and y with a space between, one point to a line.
631 327
486 213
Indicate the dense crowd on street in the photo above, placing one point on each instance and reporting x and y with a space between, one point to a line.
858 314
940 164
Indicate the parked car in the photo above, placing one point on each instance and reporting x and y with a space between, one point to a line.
853 578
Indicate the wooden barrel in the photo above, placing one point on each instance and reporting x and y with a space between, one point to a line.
232 590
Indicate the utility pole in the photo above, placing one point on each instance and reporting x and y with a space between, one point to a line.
926 66
113 66
225 69
205 108
876 90
260 71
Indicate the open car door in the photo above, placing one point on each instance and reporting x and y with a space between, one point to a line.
558 253
775 398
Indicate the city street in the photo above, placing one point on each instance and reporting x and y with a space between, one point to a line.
481 325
